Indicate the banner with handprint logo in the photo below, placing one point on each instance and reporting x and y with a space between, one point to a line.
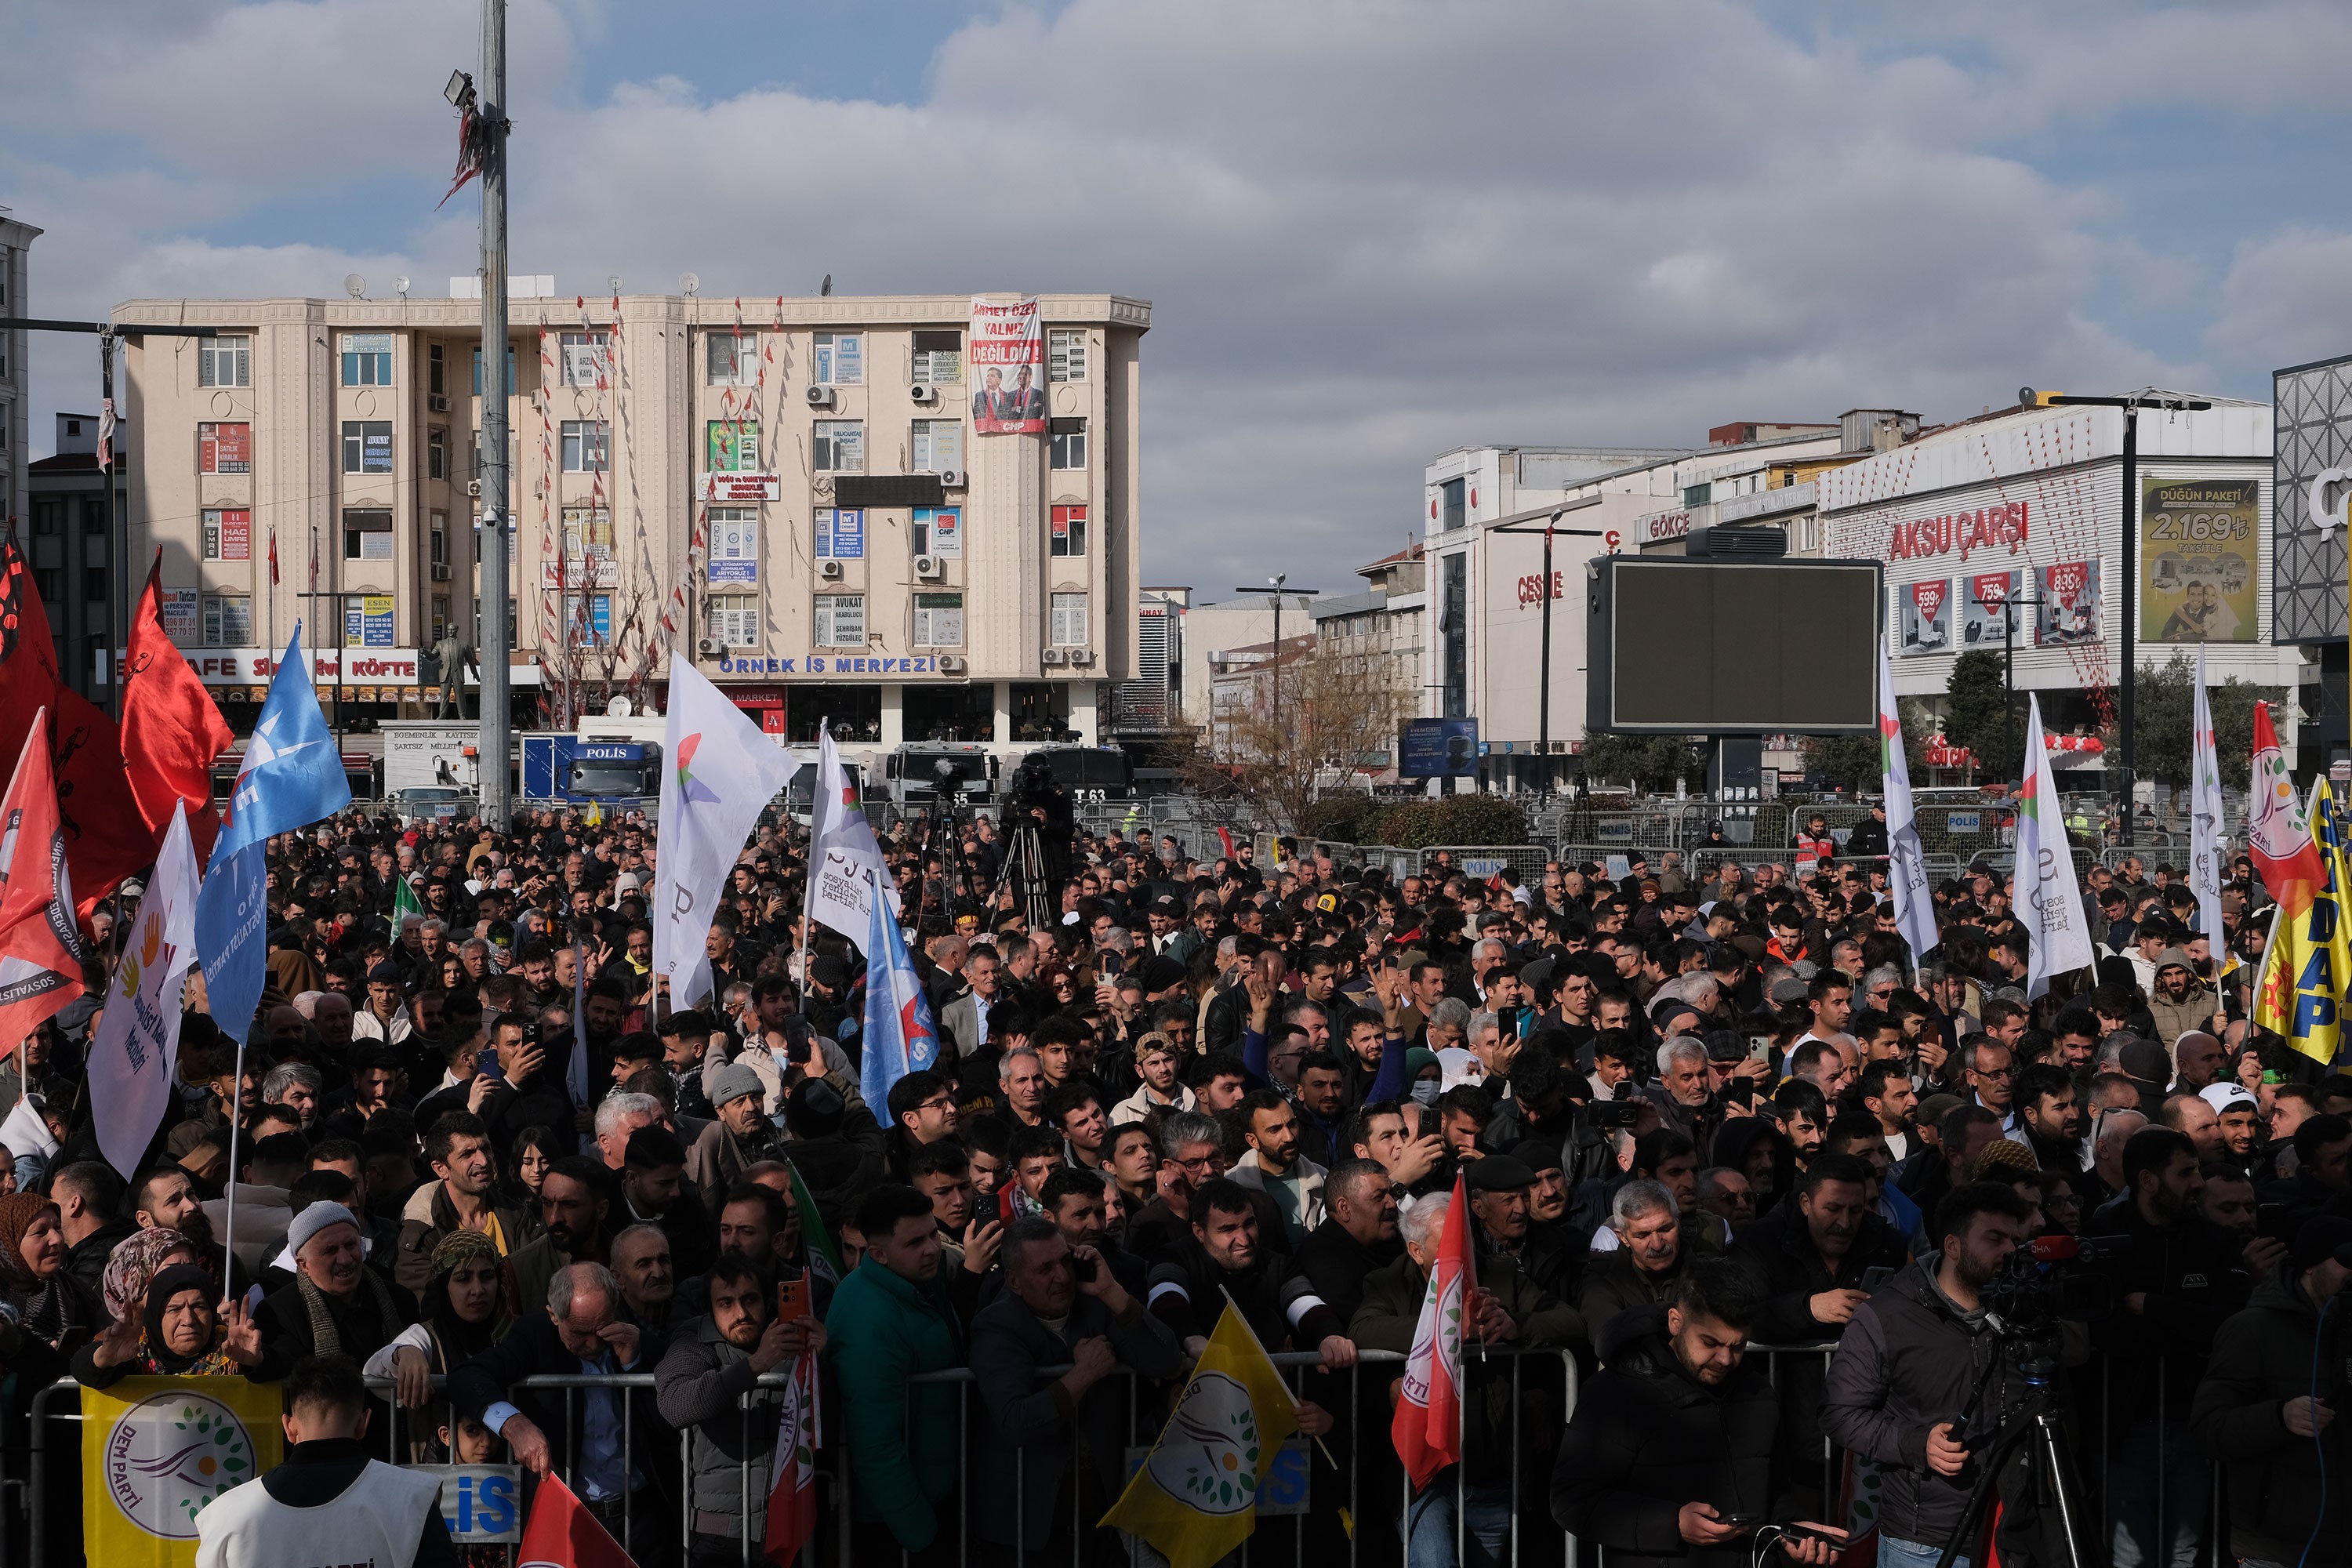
156 1451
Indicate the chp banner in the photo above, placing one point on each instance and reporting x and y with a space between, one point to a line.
1007 352
2197 560
2069 611
1926 615
156 1451
1984 598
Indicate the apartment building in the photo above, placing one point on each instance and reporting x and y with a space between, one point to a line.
836 512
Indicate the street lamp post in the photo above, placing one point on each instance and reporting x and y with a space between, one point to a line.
1275 585
1543 694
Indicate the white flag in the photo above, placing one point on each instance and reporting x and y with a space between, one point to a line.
2043 892
719 773
134 1060
1906 860
2206 824
845 863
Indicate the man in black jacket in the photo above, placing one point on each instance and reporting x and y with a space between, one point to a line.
1810 1256
1668 1458
1358 1234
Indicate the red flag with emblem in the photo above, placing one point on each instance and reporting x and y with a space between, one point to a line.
562 1533
171 729
792 1491
1427 1426
40 955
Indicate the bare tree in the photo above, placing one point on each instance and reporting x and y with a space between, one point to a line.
1293 726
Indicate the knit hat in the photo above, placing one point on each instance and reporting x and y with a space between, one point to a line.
735 1080
318 1217
458 1247
2003 1160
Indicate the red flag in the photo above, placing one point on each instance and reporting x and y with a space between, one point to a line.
93 795
792 1501
171 729
1225 837
2278 831
273 558
1428 1423
40 955
562 1533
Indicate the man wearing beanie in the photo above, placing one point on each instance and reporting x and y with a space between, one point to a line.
337 1304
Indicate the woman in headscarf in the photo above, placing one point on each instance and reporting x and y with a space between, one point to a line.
178 1332
136 1259
466 1312
39 1299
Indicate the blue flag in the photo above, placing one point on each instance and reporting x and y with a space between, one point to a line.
900 1037
292 776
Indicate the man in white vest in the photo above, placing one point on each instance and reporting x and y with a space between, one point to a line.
328 1503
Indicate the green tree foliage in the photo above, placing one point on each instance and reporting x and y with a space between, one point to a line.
1852 761
2163 700
1974 714
1650 763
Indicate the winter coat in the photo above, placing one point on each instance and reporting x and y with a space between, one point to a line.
701 1387
2274 1351
903 1441
2194 1277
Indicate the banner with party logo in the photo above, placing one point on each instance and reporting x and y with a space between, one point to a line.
1007 359
155 1451
2069 611
1926 615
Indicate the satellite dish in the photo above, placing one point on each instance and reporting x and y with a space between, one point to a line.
825 288
354 285
399 286
614 282
688 282
619 708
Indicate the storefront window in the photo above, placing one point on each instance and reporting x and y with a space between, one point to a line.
854 713
951 712
1041 711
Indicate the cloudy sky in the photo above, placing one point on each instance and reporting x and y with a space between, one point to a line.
1370 230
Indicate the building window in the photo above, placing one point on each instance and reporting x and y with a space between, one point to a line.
1454 624
840 533
939 445
1697 495
440 544
939 620
582 358
511 383
939 356
436 454
367 359
733 447
436 379
228 620
229 534
1455 495
224 362
734 544
839 446
841 620
588 532
1066 355
367 445
1069 437
367 535
731 359
1069 627
50 583
588 617
514 438
440 616
514 627
938 531
734 620
1069 531
584 443
840 360
224 449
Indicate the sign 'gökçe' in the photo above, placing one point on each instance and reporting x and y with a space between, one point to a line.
1981 527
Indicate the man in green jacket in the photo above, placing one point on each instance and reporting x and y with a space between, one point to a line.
890 1320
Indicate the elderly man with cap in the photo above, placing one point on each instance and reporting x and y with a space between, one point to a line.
337 1304
384 1017
2271 1405
740 1138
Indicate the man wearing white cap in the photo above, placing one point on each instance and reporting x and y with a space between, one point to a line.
337 1304
2241 1116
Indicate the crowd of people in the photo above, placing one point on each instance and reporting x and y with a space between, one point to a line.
1692 1109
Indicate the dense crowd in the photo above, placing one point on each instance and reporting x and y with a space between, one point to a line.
1692 1108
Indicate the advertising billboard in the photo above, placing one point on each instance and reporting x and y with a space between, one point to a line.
1926 615
1984 596
2197 560
2069 610
1437 749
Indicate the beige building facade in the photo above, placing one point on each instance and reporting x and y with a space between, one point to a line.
799 490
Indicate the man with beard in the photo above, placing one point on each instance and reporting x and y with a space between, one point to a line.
706 1382
164 1198
2239 1115
337 1304
654 1192
1227 1261
573 1206
2181 1004
1675 1436
2050 1117
1357 1235
457 1147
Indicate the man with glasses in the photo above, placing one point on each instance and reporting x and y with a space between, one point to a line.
1993 1074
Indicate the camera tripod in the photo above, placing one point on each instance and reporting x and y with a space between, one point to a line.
1025 872
2028 1432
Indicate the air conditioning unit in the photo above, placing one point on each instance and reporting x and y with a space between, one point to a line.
829 570
474 489
951 479
1052 656
712 647
440 571
820 397
1082 657
930 567
924 393
950 664
438 401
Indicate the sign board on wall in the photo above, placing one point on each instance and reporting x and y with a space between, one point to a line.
729 488
1984 598
2069 611
1007 358
1438 748
2197 542
1926 615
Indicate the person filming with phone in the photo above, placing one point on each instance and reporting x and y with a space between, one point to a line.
1669 1459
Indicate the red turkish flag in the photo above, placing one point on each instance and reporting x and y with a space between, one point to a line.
171 729
40 955
93 798
562 1533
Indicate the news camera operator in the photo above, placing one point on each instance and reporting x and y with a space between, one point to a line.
2269 1407
1921 1378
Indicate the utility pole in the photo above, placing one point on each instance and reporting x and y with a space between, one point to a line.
1275 586
491 529
1550 527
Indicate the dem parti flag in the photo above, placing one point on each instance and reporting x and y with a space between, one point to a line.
2309 962
134 1060
1194 1497
2044 891
1906 860
720 772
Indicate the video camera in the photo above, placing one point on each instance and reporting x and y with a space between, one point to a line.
2049 1280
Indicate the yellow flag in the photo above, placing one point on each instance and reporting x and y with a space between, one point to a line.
156 1450
1195 1496
2308 963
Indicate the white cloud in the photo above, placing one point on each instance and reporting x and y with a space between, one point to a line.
1371 232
